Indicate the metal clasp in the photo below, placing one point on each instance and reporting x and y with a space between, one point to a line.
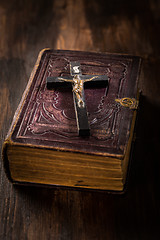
131 103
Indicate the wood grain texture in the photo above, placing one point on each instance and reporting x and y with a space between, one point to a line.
117 26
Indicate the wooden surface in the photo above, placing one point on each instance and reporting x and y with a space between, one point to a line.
116 26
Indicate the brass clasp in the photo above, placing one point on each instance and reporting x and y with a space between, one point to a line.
131 103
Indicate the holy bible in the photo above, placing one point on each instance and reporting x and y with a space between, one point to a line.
46 143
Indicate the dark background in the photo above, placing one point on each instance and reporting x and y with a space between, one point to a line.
120 26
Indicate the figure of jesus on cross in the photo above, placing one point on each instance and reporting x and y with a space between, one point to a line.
78 80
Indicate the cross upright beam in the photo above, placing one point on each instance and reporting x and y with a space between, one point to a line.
77 80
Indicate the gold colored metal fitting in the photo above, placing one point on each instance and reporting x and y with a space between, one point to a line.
131 103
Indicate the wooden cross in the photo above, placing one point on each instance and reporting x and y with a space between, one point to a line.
78 80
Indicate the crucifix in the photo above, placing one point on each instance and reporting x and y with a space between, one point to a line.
78 82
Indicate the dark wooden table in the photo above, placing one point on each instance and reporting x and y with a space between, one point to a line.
105 26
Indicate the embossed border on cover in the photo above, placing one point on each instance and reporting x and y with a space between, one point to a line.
114 144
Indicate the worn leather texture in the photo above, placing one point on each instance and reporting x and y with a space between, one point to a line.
47 117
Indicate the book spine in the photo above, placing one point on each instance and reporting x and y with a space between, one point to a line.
8 140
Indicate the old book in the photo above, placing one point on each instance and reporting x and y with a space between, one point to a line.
42 145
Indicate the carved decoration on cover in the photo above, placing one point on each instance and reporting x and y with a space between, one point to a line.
54 110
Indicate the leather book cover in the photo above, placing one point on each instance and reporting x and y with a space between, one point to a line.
45 119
